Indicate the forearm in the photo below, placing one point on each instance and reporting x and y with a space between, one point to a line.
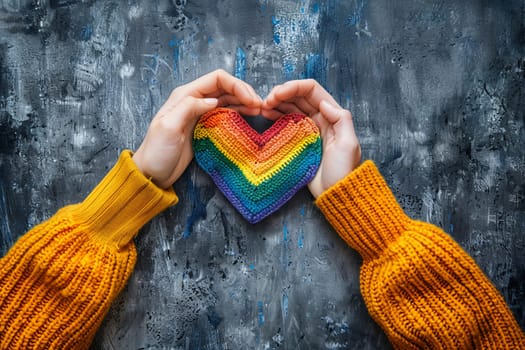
418 284
58 281
57 284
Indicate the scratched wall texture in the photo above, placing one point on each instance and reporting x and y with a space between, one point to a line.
437 90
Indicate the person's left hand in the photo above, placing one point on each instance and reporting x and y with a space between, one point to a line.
166 150
341 149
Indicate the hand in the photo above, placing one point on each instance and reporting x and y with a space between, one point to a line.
166 150
341 149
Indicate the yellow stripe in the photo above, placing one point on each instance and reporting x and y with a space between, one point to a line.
247 169
249 147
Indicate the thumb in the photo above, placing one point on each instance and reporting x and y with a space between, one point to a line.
204 105
328 115
339 118
331 113
191 108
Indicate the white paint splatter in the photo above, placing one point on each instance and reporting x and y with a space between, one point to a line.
293 31
81 138
135 12
126 71
278 338
334 345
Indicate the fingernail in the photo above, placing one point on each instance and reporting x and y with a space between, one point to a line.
211 101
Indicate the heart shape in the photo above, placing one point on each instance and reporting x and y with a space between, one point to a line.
258 173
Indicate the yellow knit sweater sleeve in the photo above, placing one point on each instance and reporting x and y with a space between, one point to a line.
58 281
419 285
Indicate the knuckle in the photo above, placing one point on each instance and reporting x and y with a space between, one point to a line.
346 114
187 100
156 124
220 72
352 144
170 127
175 92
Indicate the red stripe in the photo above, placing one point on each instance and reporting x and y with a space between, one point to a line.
225 117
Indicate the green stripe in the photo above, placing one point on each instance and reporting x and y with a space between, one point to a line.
276 186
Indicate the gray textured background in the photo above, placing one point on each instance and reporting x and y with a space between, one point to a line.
437 90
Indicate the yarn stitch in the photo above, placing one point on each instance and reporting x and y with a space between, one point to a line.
258 173
57 282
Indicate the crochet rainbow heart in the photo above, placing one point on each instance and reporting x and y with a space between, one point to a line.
258 173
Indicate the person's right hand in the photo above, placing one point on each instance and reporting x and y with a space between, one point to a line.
166 150
341 149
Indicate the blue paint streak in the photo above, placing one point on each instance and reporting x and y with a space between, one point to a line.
6 236
315 68
288 68
276 34
153 64
260 312
315 8
264 5
284 248
284 306
175 54
300 241
86 32
198 208
357 15
240 64
210 40
214 318
348 99
344 327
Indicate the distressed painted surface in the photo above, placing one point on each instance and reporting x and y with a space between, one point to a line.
437 91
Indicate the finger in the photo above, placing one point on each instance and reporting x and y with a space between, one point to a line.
305 106
188 111
332 113
246 111
295 105
271 101
222 81
309 89
216 84
322 124
280 110
270 98
271 114
287 108
340 118
228 100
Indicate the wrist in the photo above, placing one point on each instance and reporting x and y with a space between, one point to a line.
122 203
138 160
363 210
136 157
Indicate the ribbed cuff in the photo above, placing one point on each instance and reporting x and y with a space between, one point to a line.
363 211
123 202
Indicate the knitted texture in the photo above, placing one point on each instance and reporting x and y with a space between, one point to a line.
58 281
417 282
258 173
